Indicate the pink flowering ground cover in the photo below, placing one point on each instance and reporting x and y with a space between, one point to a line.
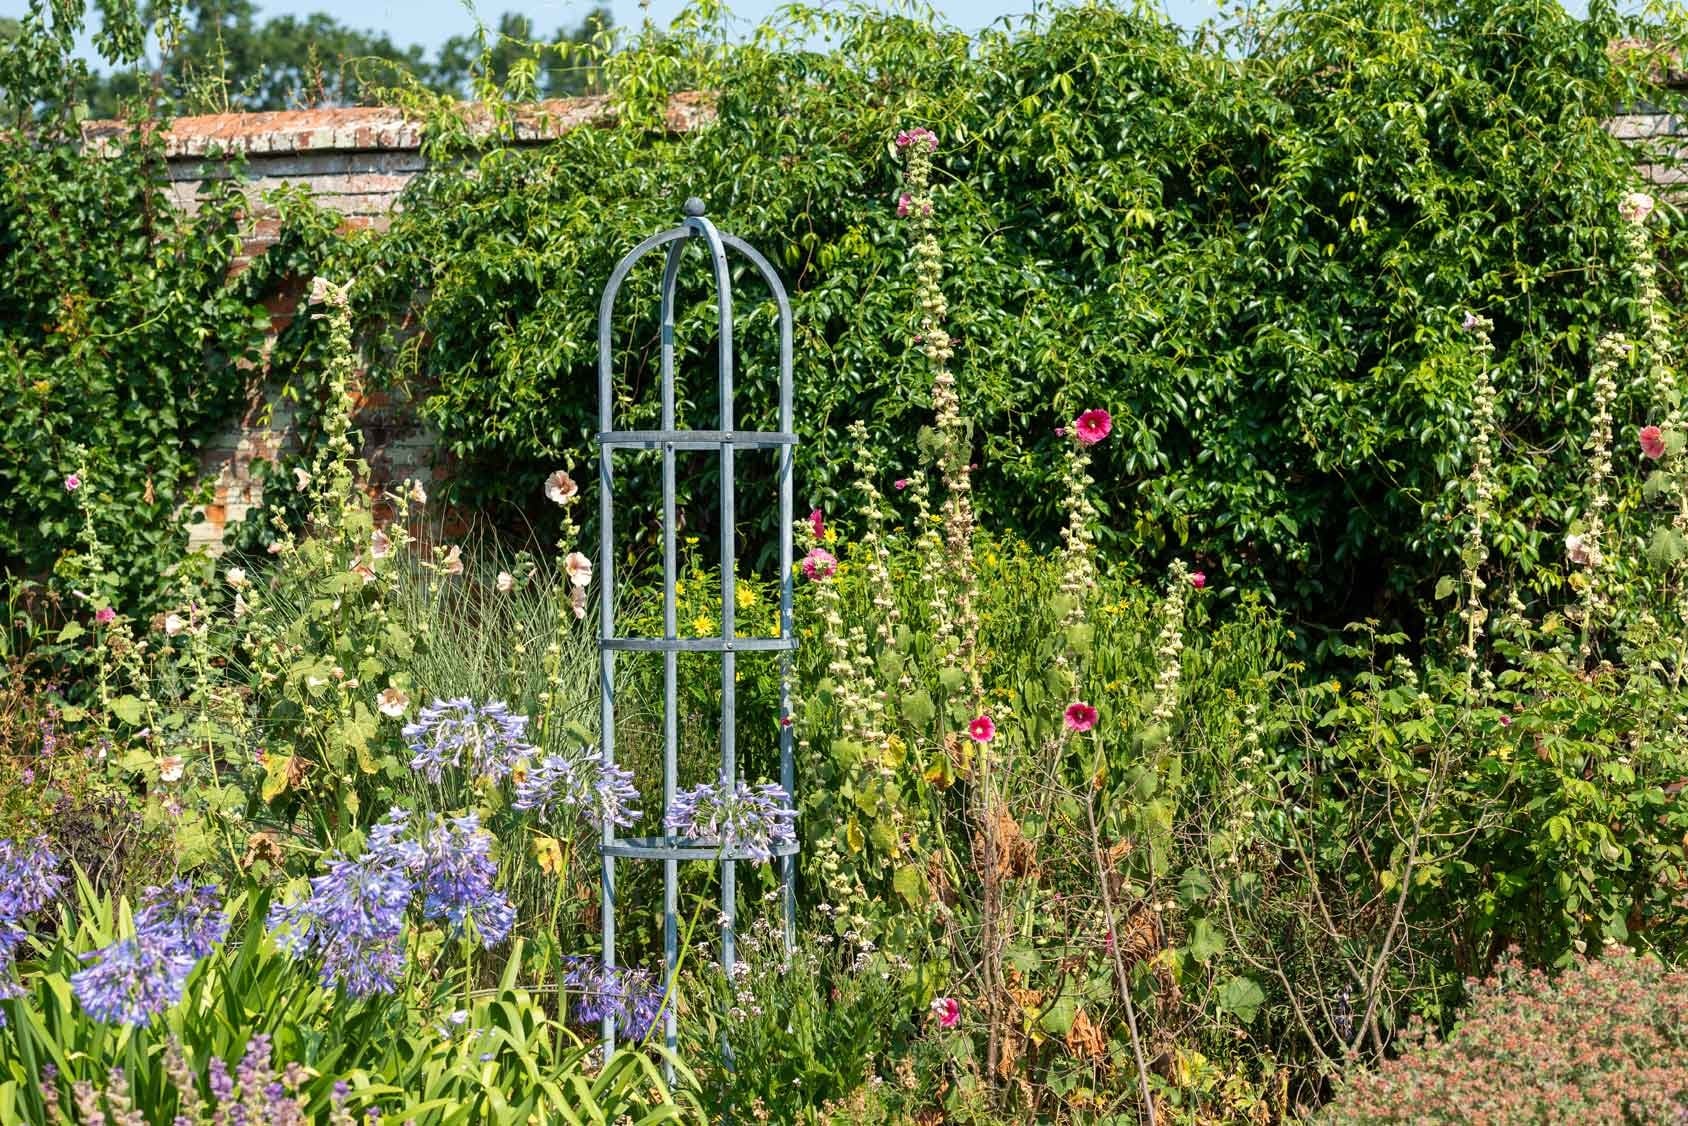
1604 1042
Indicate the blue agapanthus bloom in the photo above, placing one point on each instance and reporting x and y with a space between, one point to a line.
631 996
458 878
354 917
133 979
29 877
486 740
750 819
603 794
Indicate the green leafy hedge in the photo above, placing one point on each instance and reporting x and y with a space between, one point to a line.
1255 248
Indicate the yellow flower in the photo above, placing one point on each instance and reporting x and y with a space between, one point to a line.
745 597
703 624
691 541
679 588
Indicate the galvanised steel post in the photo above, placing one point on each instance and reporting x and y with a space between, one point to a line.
725 441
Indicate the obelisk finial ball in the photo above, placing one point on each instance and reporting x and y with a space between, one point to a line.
694 207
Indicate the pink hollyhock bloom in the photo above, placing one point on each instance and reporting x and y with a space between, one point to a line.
1198 579
72 483
817 521
1093 425
900 484
947 1010
105 615
1470 322
1635 208
903 202
819 564
1652 442
1506 721
1081 717
982 729
1060 432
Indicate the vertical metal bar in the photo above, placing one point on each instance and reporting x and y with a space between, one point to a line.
606 630
670 659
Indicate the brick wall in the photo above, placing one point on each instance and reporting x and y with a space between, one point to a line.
355 161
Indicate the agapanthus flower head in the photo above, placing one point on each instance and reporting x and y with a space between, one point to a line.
631 996
353 918
29 877
603 794
1093 425
947 1010
133 979
485 740
189 915
1635 208
458 881
819 564
1652 442
982 729
1080 717
741 819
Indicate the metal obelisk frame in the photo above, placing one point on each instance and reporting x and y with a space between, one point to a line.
725 441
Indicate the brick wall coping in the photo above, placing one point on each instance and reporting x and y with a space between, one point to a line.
373 128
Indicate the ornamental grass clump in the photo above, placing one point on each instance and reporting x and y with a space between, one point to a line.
1605 1041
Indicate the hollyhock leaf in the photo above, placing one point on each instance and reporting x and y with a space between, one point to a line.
910 883
853 836
918 708
883 835
1057 1019
1445 587
1079 638
951 678
1666 547
1242 998
129 709
1194 886
1205 942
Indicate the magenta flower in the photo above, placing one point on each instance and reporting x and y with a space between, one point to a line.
900 484
1506 721
903 203
1080 717
1093 425
947 1010
817 521
72 483
105 615
1652 442
819 564
982 729
919 135
1198 579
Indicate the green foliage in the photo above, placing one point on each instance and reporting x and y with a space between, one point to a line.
1254 248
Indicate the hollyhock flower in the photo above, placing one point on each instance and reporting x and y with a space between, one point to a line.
453 560
301 479
982 729
170 768
753 820
1080 717
392 702
239 606
903 205
1093 425
173 624
579 569
1198 579
418 495
380 546
604 795
504 583
1506 721
900 484
1635 208
817 521
485 740
236 577
72 482
363 571
919 135
560 488
1470 322
105 615
947 1010
1581 552
819 564
1652 442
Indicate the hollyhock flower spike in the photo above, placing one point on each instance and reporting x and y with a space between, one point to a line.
947 1010
1635 208
1080 717
1093 425
1652 442
819 564
982 729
